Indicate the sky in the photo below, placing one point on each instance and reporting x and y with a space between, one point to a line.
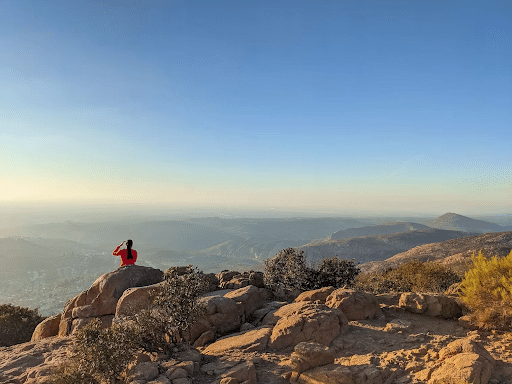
385 106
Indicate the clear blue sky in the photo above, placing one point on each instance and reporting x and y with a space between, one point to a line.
371 105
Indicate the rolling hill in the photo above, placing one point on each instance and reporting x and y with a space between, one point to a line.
450 252
376 247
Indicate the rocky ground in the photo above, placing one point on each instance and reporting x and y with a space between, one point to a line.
395 346
249 336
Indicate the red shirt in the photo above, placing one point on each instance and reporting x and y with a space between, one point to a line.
124 253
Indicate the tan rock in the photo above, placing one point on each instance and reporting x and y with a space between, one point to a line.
102 297
464 360
306 356
431 305
466 322
219 367
315 295
224 314
205 338
251 297
261 313
355 305
136 299
413 302
47 328
79 323
327 374
463 367
160 380
176 373
244 373
144 371
255 340
306 321
397 325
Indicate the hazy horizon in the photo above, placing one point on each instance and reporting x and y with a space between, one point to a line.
30 213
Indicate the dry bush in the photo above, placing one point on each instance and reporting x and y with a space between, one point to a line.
100 355
336 272
487 290
288 270
413 276
17 324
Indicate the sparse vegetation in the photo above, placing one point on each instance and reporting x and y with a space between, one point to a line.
288 270
487 290
17 324
103 354
100 355
175 308
336 272
413 276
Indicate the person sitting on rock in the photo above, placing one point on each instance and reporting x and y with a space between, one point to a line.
128 255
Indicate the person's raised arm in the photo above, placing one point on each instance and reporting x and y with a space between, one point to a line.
116 251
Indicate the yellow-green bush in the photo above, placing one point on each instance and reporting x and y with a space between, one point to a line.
413 276
487 290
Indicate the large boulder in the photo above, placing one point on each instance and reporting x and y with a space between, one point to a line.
463 360
355 305
250 298
101 298
306 356
315 295
236 280
136 299
434 305
47 328
250 341
306 322
327 374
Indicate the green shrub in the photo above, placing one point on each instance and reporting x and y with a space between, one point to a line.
100 355
288 270
413 276
17 324
487 290
336 272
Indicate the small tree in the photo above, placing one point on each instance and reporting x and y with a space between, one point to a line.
17 324
337 272
287 270
174 309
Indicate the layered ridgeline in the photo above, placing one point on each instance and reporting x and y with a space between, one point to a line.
46 263
380 242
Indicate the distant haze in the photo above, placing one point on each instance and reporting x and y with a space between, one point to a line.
312 107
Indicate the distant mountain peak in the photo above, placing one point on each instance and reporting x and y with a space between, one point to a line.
454 221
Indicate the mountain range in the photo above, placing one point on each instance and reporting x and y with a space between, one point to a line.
44 264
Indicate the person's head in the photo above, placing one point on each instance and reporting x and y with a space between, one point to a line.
129 244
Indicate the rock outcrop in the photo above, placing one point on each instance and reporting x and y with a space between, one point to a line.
246 338
306 322
434 305
100 300
355 305
235 280
47 328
